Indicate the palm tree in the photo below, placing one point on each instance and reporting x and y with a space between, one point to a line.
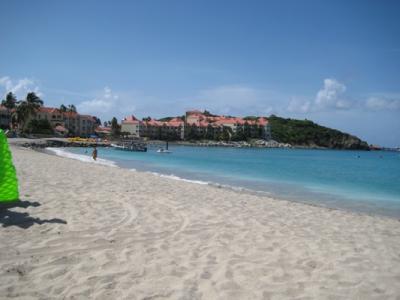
10 101
34 100
26 109
71 108
63 108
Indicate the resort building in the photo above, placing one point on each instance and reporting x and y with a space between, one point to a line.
69 122
103 132
153 129
197 125
131 125
202 124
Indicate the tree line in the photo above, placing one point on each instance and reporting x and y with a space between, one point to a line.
309 134
22 110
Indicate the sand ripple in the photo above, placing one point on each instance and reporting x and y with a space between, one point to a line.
138 236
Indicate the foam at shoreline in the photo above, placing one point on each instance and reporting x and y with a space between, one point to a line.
210 183
320 198
174 177
84 158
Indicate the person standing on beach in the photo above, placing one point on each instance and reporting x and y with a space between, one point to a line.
94 153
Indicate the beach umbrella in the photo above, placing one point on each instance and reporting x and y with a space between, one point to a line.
8 175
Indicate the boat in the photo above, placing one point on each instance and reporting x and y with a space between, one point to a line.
130 146
162 150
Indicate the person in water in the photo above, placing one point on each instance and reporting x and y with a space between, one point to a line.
94 153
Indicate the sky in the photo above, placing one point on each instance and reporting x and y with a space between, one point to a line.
334 62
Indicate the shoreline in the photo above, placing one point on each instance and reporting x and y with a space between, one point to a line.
353 206
93 231
254 144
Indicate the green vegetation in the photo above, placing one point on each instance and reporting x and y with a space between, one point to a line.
166 119
26 109
208 114
115 127
250 118
70 108
10 101
309 134
39 126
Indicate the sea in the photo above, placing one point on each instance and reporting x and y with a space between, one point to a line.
360 181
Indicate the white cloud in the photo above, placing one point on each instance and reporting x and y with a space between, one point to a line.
330 97
382 103
235 100
297 105
107 104
19 87
95 105
102 104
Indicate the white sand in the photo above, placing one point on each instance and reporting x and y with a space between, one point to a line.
131 235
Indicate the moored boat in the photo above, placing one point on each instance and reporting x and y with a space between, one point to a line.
130 146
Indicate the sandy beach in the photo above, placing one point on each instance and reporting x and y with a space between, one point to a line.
90 231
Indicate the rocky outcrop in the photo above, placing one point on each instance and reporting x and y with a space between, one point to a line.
305 133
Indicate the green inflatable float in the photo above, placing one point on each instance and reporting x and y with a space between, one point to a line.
8 176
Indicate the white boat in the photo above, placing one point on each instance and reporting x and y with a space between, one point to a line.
162 150
130 146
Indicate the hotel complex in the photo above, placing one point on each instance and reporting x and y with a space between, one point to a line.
197 125
67 122
194 125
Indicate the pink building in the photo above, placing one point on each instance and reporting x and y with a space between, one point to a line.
197 125
153 129
201 124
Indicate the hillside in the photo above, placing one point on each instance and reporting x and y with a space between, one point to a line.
309 134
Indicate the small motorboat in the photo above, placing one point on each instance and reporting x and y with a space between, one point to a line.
130 146
162 150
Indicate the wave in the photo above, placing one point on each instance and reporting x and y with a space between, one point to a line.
213 184
174 177
84 158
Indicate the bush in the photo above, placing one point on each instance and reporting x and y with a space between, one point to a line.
40 126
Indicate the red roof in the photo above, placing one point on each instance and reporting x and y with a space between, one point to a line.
262 121
68 114
175 122
49 109
152 122
102 129
222 121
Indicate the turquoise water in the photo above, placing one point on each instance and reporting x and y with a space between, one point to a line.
356 180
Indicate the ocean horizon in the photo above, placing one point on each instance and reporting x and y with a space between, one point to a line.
359 181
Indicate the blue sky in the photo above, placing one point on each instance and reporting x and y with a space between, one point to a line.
334 62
